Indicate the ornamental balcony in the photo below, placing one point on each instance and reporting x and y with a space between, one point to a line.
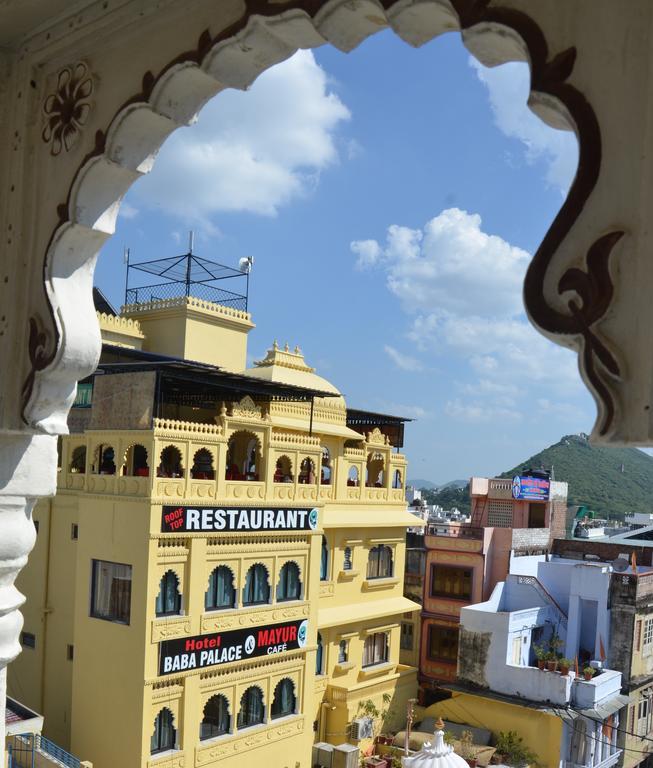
179 460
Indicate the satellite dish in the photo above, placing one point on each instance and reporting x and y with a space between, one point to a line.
245 264
620 564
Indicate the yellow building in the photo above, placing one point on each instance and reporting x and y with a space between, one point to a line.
221 569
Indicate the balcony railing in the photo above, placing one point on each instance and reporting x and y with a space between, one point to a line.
606 762
23 750
456 531
128 474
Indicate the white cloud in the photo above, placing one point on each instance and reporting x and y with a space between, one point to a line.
405 362
253 151
401 409
127 211
479 413
508 89
368 252
451 265
462 289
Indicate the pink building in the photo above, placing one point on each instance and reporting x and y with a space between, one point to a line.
509 519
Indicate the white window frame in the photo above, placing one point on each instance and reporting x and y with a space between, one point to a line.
643 715
647 636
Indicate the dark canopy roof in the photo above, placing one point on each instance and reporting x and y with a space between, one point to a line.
194 382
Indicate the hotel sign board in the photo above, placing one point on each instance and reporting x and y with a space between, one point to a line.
176 519
530 488
217 648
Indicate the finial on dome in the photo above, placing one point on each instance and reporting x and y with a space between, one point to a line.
439 724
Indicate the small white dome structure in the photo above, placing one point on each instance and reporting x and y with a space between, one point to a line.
435 754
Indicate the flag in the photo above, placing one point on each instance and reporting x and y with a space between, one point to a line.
602 649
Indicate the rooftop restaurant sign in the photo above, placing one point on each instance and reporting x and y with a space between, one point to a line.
225 647
530 488
175 519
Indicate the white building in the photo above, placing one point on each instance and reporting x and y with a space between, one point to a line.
559 604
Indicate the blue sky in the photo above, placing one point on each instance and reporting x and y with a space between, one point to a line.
391 199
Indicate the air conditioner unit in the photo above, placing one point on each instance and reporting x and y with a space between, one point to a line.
322 755
361 728
346 756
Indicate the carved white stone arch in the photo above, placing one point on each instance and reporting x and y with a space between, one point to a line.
569 286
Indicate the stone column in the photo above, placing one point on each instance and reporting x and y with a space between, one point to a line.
28 466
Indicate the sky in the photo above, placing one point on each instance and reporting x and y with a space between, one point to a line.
391 199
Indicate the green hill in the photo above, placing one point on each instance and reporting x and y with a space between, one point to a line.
611 481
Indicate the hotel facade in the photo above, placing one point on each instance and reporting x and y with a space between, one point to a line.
221 570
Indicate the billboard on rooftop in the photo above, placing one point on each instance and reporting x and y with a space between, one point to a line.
526 488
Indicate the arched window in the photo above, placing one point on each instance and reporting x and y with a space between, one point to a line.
325 474
375 650
343 651
396 480
78 460
319 656
243 457
324 560
202 468
283 470
221 593
289 586
168 601
379 562
164 735
375 470
346 562
135 463
105 460
170 465
251 708
352 477
307 472
257 587
284 701
216 720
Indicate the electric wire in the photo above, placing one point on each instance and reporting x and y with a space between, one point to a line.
619 730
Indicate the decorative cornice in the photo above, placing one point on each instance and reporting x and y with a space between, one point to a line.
117 324
284 358
187 302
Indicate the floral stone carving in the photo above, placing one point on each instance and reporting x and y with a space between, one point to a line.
66 110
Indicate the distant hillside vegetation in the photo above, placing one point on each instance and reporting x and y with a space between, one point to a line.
418 482
611 481
448 496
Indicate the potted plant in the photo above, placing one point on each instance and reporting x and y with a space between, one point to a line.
513 750
540 655
564 665
467 751
449 738
381 718
588 673
551 661
375 762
